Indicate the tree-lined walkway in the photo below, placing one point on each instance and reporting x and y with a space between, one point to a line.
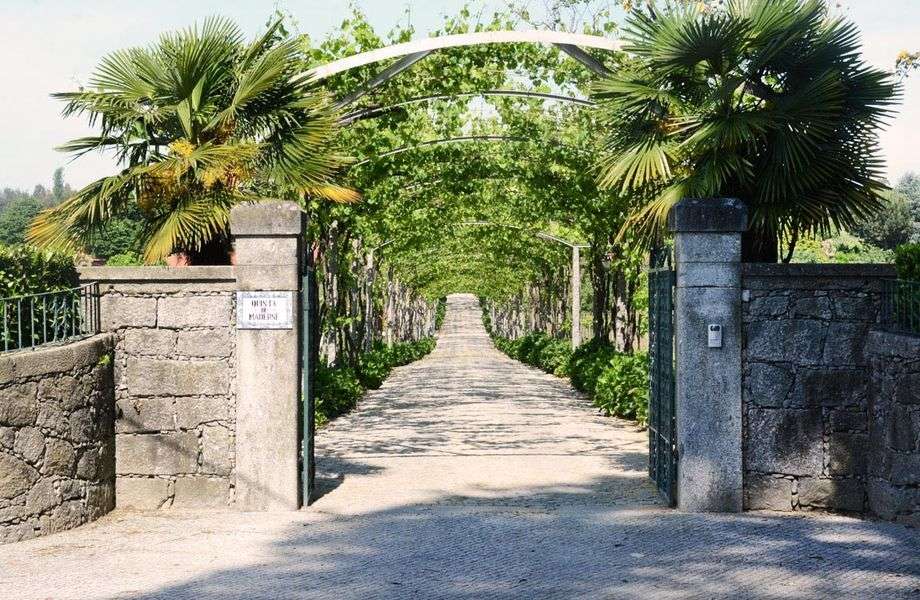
470 476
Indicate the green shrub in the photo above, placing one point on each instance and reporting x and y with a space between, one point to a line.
440 313
375 365
616 382
26 270
622 387
126 259
337 391
907 261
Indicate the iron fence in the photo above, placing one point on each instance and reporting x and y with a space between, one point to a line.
901 306
37 319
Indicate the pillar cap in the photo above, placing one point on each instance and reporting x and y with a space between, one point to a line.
714 215
266 218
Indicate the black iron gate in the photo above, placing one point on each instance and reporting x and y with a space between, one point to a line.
662 431
308 356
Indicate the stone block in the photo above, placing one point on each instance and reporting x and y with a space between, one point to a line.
847 495
119 312
30 444
847 454
145 415
16 476
51 417
66 390
887 501
154 377
819 307
156 454
260 277
82 425
848 420
143 493
767 385
855 308
205 343
905 469
844 345
12 513
266 219
19 532
216 450
767 493
832 388
908 392
768 306
66 516
7 437
195 311
903 431
72 489
150 342
785 441
18 406
100 499
42 497
799 340
192 412
88 465
705 274
267 251
202 492
60 458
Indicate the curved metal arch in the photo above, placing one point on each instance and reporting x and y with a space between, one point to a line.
427 45
441 142
375 111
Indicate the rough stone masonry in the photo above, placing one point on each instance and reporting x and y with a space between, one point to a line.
57 446
174 383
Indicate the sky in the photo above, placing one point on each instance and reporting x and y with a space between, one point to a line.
53 45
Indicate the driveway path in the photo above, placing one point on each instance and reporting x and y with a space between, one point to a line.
471 476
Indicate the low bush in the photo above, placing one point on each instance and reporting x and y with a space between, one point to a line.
26 270
622 387
907 261
338 388
440 313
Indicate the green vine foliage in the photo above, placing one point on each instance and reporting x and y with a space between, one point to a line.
463 217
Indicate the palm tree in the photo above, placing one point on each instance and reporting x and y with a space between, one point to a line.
768 101
200 121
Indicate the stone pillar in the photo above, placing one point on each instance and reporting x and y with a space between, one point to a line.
708 379
267 240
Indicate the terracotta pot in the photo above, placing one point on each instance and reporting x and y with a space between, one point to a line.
180 259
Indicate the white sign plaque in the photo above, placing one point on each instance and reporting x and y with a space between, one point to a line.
265 310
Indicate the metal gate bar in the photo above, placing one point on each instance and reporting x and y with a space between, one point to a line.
662 425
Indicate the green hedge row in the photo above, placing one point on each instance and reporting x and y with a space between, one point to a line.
907 261
616 382
338 389
26 270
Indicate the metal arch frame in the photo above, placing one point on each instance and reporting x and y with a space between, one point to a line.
440 142
428 45
375 111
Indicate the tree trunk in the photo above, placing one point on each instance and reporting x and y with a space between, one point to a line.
760 245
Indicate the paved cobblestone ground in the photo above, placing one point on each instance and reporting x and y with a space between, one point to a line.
471 476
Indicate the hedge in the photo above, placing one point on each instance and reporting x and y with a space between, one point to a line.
26 270
338 388
616 382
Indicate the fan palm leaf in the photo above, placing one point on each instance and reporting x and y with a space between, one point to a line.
200 121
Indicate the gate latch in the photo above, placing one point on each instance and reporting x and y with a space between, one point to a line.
715 336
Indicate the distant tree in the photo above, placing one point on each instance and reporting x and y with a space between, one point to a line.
15 217
909 187
59 189
890 227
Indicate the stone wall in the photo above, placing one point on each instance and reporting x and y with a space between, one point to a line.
57 446
894 426
806 384
174 383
